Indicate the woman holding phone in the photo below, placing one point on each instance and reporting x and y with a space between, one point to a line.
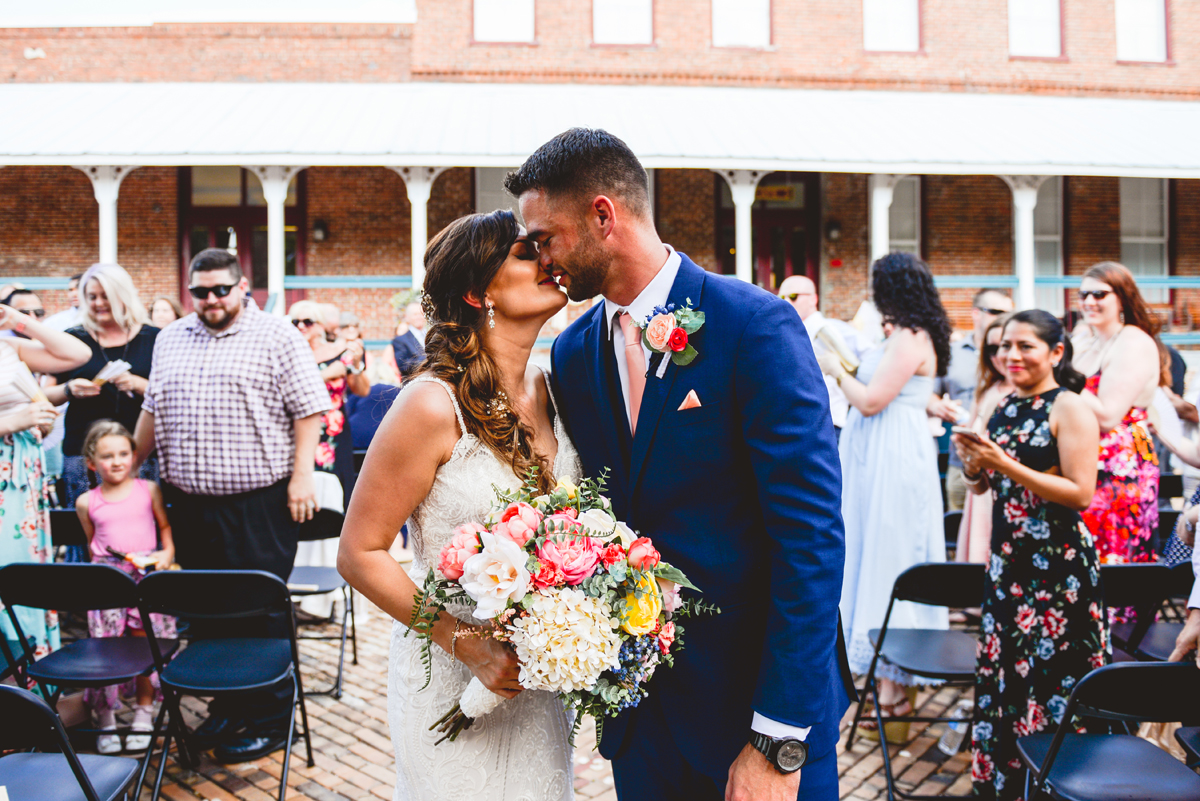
1044 627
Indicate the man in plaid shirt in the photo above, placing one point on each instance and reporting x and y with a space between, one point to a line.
234 408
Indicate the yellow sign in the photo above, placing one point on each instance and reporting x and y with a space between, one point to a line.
776 193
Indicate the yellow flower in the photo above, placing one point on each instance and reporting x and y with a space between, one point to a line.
565 484
641 614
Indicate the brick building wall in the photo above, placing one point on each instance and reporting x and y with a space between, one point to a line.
815 43
1186 248
226 52
844 287
685 213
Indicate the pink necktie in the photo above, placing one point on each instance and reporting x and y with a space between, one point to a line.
635 360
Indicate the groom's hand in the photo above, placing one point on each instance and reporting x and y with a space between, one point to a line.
753 778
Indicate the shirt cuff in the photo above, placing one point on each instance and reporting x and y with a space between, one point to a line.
773 728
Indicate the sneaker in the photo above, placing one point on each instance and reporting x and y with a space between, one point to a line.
109 744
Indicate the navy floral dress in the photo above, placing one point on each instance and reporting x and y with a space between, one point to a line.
1043 621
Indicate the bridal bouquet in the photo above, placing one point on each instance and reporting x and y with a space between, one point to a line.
587 605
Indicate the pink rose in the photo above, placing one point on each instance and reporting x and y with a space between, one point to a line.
324 454
678 340
642 555
666 636
576 558
462 546
335 421
670 594
518 523
659 331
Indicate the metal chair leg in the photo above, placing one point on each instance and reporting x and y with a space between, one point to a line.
154 735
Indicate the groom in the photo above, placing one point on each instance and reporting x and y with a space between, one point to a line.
741 492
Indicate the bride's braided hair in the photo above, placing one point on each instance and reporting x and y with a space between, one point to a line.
463 259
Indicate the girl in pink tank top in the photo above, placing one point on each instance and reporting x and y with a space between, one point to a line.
127 515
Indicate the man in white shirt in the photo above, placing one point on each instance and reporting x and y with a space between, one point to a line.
801 292
73 316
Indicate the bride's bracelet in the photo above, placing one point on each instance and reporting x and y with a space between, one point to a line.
454 639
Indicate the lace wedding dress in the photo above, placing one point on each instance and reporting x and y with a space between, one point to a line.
520 751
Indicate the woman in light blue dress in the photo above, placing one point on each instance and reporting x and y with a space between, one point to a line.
891 497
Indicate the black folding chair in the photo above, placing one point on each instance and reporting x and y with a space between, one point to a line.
12 659
210 667
316 581
1188 738
1167 518
1170 485
65 528
1142 586
947 656
1180 590
29 722
950 525
1116 767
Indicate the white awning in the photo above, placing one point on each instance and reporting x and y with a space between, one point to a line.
478 124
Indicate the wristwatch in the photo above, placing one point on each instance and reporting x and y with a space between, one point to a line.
787 754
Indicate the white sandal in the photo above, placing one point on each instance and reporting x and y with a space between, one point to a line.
108 744
143 717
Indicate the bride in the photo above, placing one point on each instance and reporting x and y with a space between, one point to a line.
475 414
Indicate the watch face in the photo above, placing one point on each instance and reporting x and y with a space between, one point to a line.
791 755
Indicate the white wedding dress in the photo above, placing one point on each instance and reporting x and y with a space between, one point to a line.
520 751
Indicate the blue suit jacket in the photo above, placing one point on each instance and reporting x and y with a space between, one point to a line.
743 494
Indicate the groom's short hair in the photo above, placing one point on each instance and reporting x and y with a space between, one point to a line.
584 162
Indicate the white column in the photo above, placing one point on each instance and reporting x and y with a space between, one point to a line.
882 187
275 182
418 181
106 185
742 185
1025 191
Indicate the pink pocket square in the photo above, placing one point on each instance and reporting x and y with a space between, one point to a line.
692 401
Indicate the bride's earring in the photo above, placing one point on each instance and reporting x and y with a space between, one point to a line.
491 314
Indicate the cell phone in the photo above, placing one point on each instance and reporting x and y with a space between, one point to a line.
969 433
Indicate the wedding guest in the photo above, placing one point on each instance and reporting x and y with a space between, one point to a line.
24 533
891 497
366 412
115 327
329 316
1043 629
341 369
975 530
234 408
25 301
801 292
165 310
349 327
72 315
1187 642
963 374
1123 369
407 349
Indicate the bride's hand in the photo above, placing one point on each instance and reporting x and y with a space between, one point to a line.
493 663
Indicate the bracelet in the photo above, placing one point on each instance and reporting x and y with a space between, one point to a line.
454 639
840 376
67 391
973 479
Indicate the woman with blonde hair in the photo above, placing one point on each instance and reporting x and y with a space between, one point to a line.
116 328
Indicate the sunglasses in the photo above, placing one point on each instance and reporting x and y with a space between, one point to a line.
305 323
202 292
991 350
38 313
993 312
795 295
1098 294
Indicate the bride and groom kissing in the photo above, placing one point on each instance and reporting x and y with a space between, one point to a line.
726 459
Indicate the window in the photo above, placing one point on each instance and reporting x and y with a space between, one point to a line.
231 186
623 22
1144 230
1141 30
892 26
741 23
1047 243
503 20
1034 28
904 218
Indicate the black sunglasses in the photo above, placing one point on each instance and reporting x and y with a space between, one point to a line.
993 312
1098 294
220 290
305 323
38 313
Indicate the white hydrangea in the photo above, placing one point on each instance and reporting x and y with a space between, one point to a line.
566 641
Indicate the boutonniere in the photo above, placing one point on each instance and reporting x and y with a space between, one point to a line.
667 330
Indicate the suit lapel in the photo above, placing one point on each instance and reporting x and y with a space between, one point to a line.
689 284
602 376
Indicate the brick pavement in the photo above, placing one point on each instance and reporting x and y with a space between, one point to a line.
354 756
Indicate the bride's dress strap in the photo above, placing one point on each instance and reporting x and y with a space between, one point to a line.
549 391
449 391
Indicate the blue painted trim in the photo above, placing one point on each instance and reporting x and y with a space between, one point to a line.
347 282
1061 281
1181 338
36 282
975 281
376 344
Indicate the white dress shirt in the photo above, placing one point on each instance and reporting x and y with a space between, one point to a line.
655 294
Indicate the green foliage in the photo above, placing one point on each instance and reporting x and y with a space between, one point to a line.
694 607
672 573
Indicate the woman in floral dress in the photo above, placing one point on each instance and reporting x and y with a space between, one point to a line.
1121 361
1043 622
